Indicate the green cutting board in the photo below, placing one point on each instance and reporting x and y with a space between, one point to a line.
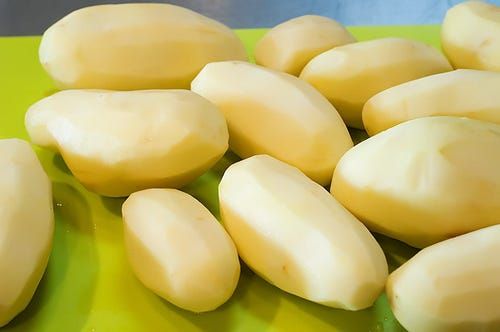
88 285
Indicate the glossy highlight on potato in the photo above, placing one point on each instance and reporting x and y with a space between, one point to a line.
274 113
179 250
349 75
294 234
116 143
465 93
424 180
470 35
450 286
26 226
289 46
134 46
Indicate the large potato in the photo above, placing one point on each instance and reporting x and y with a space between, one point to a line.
349 75
290 231
468 93
450 286
116 143
289 46
273 113
470 35
134 46
26 226
179 250
424 180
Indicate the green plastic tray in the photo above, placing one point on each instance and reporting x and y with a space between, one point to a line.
88 285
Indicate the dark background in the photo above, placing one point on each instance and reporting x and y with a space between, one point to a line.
32 17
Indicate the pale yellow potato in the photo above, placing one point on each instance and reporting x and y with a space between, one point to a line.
291 232
450 286
26 226
269 112
424 180
465 92
289 46
470 35
134 46
179 250
116 143
349 75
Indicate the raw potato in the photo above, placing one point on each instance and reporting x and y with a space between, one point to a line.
467 93
289 46
134 46
116 143
179 250
470 35
290 231
274 113
451 286
424 180
350 75
26 226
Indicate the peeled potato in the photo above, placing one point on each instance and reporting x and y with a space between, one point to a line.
424 180
470 35
451 286
273 113
349 75
116 143
134 46
179 250
26 226
467 93
289 46
290 231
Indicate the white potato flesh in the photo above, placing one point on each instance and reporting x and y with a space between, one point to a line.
116 143
450 286
26 226
289 46
349 75
179 250
466 93
134 46
290 231
424 180
274 113
470 35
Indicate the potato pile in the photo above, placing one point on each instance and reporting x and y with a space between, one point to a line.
156 94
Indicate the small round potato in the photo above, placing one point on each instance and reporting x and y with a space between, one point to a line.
289 46
116 143
26 226
424 180
179 250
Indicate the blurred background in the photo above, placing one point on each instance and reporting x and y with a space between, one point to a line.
32 17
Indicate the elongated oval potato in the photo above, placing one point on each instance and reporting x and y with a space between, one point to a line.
134 46
179 250
289 46
424 180
116 143
26 226
349 75
450 286
466 93
274 113
470 35
290 231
